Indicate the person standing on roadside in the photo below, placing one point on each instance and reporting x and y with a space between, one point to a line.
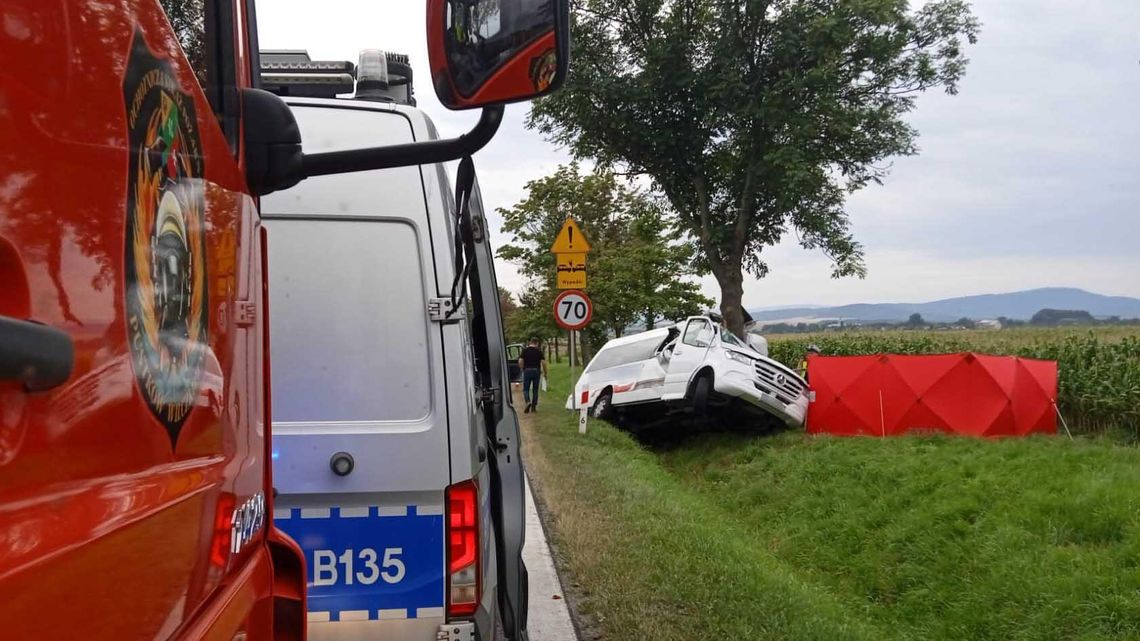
533 366
811 350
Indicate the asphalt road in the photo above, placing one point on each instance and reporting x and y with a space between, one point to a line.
549 618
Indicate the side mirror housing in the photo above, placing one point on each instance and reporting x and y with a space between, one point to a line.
489 52
273 156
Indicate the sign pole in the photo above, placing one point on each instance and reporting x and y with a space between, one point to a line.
570 344
572 311
572 307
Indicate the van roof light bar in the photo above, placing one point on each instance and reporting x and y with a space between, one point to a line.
290 72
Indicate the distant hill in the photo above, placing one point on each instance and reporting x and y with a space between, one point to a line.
1019 305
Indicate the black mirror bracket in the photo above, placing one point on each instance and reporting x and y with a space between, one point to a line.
413 153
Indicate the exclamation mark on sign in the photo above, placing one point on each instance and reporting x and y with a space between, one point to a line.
570 231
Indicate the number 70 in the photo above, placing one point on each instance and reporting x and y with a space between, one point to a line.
577 307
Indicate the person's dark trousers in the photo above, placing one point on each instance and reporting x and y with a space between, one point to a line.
530 386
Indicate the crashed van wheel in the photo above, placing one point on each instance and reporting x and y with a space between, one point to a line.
702 390
604 406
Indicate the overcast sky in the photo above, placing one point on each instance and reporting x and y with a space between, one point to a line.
1030 177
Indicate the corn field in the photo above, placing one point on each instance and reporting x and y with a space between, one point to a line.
1098 369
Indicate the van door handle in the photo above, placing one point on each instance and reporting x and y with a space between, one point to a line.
39 356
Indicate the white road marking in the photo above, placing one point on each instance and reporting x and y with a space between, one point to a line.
548 616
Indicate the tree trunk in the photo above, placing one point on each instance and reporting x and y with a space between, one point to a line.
557 354
650 319
731 280
55 263
584 348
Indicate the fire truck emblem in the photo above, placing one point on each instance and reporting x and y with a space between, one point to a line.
543 69
165 256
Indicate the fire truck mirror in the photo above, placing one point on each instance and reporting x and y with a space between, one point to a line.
487 52
273 155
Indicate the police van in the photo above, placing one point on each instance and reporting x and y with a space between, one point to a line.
396 455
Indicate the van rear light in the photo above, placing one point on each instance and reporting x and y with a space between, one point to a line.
220 546
463 582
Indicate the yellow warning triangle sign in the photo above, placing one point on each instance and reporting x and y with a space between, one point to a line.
570 239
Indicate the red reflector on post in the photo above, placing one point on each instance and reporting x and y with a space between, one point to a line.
463 581
585 396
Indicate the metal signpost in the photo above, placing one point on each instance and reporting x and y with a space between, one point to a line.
572 308
572 311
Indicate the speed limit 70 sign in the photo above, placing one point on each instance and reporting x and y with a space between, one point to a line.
573 309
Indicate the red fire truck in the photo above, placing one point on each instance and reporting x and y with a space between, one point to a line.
135 479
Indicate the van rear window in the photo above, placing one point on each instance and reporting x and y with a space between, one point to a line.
349 331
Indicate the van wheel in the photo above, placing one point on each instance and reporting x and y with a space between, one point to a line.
604 406
702 389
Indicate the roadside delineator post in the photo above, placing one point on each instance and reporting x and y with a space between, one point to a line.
583 411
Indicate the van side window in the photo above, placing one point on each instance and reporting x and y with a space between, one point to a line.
188 17
698 333
204 29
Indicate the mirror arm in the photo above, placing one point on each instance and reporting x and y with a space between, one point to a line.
413 153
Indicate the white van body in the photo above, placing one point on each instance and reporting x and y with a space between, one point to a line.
626 371
700 363
357 262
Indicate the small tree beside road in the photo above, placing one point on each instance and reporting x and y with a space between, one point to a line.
638 269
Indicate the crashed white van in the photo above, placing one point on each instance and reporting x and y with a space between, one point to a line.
695 365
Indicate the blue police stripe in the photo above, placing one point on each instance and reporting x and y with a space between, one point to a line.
418 536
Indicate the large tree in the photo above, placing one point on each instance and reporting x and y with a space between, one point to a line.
638 270
756 118
189 21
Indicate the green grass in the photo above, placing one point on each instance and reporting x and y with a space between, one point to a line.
656 560
944 538
798 538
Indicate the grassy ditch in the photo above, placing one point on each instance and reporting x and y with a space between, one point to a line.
654 559
943 538
731 537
